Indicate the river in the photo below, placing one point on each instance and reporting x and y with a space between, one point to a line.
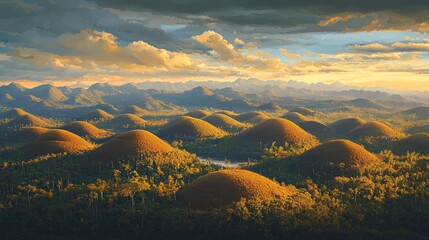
221 162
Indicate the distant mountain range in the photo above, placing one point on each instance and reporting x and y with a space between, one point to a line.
239 95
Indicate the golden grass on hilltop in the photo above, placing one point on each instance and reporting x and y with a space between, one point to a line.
30 134
189 127
295 117
277 130
135 110
339 151
14 113
57 141
28 120
252 117
133 143
221 188
223 121
198 114
313 127
97 114
304 111
228 113
415 143
343 126
372 129
127 120
85 129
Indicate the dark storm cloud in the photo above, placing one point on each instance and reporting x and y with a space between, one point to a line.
303 15
326 6
33 24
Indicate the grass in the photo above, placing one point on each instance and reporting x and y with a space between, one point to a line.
57 141
338 153
189 127
85 129
224 122
224 187
277 130
132 143
295 117
372 129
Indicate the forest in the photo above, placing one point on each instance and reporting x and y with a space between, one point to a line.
349 171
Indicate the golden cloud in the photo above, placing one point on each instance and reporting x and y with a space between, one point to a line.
224 51
287 54
334 20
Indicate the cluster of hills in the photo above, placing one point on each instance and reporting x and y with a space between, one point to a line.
95 149
155 98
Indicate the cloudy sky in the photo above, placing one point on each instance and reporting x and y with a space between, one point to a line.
362 43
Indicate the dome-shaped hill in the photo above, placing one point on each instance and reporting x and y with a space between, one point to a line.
221 188
277 130
127 120
313 127
295 117
252 117
352 155
228 113
270 107
304 111
29 134
343 126
364 103
97 114
57 141
133 143
189 127
415 143
14 113
420 112
198 114
28 120
135 110
223 121
372 129
85 129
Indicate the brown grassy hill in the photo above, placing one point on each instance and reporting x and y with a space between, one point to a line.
85 129
252 117
223 121
57 141
198 114
372 129
218 189
14 113
313 127
127 121
420 112
415 143
270 107
28 120
132 143
135 110
352 155
189 127
304 111
29 134
295 117
228 113
343 126
97 114
277 130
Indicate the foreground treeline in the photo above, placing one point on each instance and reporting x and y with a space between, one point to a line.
75 197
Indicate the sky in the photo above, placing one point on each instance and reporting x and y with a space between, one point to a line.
78 42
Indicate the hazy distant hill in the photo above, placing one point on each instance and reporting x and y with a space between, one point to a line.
240 96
